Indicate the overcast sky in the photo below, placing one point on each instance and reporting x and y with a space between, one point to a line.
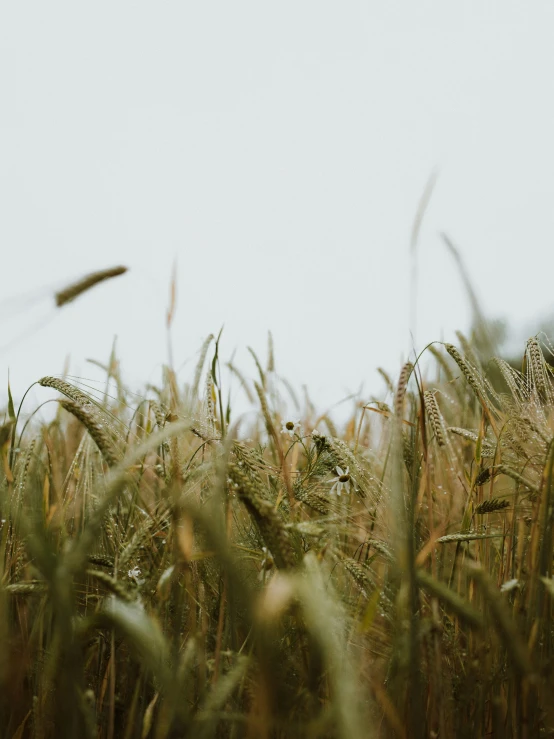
278 151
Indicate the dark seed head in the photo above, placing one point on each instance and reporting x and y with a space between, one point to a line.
344 478
289 425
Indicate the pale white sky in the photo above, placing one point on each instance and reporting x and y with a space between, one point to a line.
279 151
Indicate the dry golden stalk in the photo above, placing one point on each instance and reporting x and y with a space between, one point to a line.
95 429
78 288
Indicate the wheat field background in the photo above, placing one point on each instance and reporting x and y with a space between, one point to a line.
170 569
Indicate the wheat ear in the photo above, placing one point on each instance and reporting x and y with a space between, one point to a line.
78 288
95 429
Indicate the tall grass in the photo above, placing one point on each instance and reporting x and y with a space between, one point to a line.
169 571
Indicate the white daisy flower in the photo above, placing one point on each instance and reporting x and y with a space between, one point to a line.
291 427
134 574
341 481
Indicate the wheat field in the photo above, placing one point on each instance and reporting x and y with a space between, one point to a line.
171 570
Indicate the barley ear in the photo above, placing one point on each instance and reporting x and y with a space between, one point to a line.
78 288
95 429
